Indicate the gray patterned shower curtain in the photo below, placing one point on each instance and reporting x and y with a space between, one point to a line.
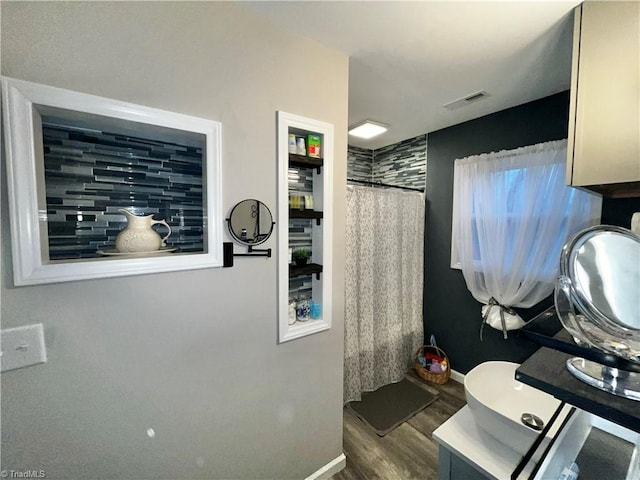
383 286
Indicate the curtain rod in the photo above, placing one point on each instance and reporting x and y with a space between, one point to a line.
380 184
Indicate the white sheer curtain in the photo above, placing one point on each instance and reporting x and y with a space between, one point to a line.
384 286
512 215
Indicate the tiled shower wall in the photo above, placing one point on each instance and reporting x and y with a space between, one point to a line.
90 174
403 163
300 183
359 163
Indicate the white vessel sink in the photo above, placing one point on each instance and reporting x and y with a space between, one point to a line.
498 402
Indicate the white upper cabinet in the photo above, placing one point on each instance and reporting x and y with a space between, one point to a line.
604 120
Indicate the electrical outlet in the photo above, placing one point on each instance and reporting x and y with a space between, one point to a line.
22 347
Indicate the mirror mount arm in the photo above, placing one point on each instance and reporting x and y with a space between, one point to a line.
253 252
259 252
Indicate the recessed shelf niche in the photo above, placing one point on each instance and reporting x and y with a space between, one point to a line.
310 228
74 160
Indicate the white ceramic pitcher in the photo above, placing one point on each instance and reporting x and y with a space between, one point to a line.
139 236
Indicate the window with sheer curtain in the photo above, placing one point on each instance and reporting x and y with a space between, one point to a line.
512 213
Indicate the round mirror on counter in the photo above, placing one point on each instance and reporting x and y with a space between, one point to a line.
597 299
250 222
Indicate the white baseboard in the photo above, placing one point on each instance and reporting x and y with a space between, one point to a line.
457 376
330 469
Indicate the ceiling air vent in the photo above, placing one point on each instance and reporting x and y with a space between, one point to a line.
461 102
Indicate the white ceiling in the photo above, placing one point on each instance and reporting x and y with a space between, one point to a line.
408 59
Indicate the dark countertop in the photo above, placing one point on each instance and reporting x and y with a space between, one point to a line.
546 371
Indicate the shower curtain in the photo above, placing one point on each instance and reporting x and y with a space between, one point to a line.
383 286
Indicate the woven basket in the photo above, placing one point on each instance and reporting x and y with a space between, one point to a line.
433 377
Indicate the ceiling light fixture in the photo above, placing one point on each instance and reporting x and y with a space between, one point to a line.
368 129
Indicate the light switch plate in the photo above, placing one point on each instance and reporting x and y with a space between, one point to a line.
22 347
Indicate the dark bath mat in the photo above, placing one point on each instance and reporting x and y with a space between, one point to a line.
391 405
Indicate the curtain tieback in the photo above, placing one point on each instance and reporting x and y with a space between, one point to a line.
503 308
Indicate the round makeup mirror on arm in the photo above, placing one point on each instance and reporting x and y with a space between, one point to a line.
597 299
250 223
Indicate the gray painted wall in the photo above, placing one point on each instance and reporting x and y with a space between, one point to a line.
192 355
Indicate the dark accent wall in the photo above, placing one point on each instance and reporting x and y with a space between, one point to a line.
618 211
450 312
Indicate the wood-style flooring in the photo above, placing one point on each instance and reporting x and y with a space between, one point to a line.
408 452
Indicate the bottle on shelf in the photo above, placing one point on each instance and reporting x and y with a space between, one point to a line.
292 311
302 311
302 150
313 145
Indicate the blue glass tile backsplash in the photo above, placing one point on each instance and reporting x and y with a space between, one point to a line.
360 163
403 164
90 174
300 183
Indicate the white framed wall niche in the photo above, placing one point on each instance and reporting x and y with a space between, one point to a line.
75 160
305 222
